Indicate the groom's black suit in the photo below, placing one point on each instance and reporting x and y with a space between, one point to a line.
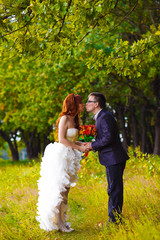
113 156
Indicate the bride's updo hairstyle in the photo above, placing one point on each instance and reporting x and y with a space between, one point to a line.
70 107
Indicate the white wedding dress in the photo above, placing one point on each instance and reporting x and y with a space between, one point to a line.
59 169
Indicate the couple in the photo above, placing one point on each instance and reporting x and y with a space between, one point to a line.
60 162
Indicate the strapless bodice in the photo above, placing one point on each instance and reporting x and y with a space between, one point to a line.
72 134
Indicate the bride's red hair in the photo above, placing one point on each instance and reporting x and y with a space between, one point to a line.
70 107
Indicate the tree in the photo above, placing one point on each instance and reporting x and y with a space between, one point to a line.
58 47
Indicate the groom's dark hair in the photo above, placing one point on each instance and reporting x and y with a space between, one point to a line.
100 98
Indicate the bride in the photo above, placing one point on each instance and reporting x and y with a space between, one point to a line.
59 167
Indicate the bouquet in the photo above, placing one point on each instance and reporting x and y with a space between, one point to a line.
87 133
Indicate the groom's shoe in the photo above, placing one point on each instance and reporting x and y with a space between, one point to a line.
112 222
109 223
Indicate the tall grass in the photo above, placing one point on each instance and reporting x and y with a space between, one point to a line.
87 202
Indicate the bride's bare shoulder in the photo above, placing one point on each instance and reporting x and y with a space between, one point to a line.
64 119
63 124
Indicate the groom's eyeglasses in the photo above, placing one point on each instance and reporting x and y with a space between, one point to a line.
91 101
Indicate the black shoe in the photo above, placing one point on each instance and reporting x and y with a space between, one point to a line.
111 223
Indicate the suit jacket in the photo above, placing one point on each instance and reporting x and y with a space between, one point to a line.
108 144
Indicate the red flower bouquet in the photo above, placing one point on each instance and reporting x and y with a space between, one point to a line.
87 133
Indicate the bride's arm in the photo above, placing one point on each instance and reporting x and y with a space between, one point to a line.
79 143
63 126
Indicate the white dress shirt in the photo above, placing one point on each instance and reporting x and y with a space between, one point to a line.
96 115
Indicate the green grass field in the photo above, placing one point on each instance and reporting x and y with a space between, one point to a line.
87 202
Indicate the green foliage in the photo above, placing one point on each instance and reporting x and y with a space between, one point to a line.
147 163
91 169
141 163
52 48
33 26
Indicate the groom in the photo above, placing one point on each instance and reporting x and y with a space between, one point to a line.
111 153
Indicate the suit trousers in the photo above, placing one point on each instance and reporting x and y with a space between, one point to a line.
115 191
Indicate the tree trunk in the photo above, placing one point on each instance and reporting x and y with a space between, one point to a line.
151 135
12 145
46 141
45 138
156 89
143 130
120 111
32 143
156 150
134 126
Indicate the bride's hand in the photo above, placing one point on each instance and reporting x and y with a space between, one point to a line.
79 143
83 148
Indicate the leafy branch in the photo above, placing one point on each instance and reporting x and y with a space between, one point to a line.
145 49
18 28
63 20
113 27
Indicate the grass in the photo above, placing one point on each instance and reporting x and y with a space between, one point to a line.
87 203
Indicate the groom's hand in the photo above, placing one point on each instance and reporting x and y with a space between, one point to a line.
85 148
88 146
